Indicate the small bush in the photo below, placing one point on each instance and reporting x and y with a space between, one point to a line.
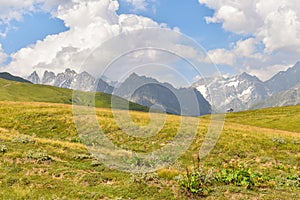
238 175
96 163
293 180
198 182
168 174
76 140
93 179
11 181
82 157
3 149
39 156
278 141
144 178
24 139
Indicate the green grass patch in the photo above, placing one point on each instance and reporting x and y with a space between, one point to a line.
42 157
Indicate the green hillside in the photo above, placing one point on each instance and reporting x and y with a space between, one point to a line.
281 118
8 76
41 156
24 92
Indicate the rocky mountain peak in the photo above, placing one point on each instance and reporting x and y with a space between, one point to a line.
48 78
34 78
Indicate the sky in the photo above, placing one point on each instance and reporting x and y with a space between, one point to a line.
260 37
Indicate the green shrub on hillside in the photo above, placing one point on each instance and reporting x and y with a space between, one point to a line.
38 155
3 149
24 139
237 174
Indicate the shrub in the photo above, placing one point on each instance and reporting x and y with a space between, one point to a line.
83 157
39 156
76 140
278 141
3 149
144 178
293 180
238 175
198 182
24 139
168 174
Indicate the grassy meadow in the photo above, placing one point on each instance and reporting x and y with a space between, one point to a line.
42 157
17 91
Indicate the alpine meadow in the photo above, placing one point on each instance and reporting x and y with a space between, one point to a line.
42 155
149 100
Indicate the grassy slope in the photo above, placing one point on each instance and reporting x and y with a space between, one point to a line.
17 91
281 118
72 175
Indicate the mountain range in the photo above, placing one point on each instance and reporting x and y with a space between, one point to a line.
162 96
72 80
150 92
242 92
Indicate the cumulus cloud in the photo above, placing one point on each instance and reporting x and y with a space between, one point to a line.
221 57
138 5
3 56
274 24
14 9
90 22
242 49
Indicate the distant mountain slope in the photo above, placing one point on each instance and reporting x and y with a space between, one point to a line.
284 80
149 92
285 98
8 76
17 91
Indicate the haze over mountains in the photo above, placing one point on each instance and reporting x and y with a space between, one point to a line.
242 92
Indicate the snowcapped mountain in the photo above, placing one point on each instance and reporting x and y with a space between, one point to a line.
245 92
72 80
240 91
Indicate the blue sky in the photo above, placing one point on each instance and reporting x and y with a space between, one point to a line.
33 27
258 37
189 16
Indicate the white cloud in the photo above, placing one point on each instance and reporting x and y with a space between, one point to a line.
3 56
245 48
91 23
14 9
221 57
242 49
138 5
275 24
